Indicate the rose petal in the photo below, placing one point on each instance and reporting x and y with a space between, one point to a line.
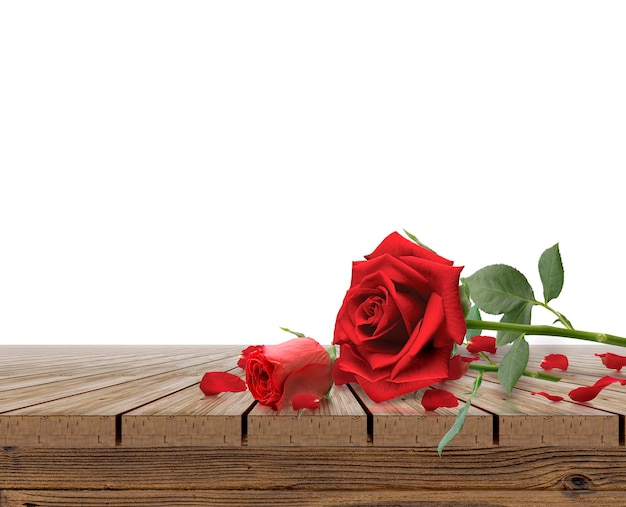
397 245
459 365
313 379
482 344
243 358
216 382
305 400
551 397
612 361
436 398
552 361
587 393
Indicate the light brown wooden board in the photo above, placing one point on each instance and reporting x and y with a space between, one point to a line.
544 423
340 421
19 362
526 420
582 361
403 422
188 418
91 418
51 389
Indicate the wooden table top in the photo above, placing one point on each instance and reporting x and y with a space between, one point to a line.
149 397
140 404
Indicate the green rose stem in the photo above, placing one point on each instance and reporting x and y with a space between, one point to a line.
526 373
533 329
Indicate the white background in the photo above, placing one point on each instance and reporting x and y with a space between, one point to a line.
205 172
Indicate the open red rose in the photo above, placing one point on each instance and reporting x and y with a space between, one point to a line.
277 373
399 320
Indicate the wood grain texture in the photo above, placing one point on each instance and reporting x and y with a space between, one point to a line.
310 468
129 426
188 418
270 498
340 421
85 410
531 420
403 422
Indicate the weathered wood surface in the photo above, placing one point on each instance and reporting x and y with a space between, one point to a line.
340 421
386 498
129 426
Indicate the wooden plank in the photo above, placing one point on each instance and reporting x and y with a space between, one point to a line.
611 401
523 418
340 421
188 418
16 398
403 422
89 418
582 361
309 468
309 498
83 361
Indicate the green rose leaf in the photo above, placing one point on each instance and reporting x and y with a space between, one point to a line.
551 273
299 335
454 429
513 364
460 417
500 289
413 238
474 314
466 304
521 315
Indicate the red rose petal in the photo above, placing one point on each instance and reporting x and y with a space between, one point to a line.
482 344
612 361
243 358
551 397
459 365
216 382
313 379
552 361
436 398
587 393
305 400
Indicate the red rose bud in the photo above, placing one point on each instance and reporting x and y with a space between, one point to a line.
482 344
555 361
216 382
243 358
551 397
437 398
305 401
399 320
277 373
588 393
612 361
459 366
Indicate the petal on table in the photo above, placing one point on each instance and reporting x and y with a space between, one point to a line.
612 361
587 393
555 361
216 382
305 400
551 397
437 398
